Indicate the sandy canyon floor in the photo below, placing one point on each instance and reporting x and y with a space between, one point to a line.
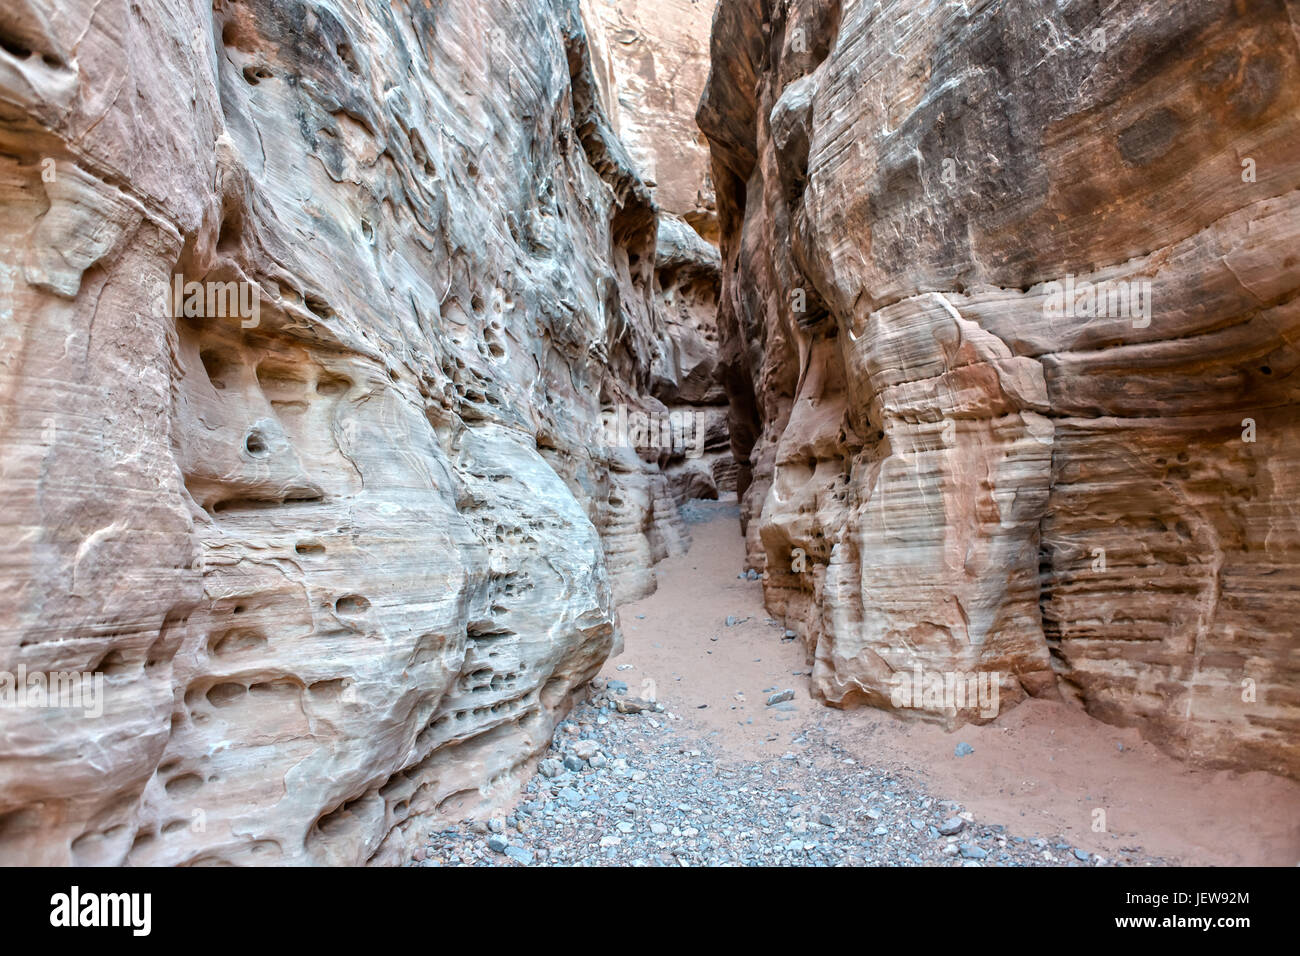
718 776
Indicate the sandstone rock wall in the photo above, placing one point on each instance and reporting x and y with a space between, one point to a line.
654 60
686 292
947 463
340 561
650 60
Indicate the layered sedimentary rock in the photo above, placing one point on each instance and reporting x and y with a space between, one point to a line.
1008 328
671 444
686 293
652 60
335 548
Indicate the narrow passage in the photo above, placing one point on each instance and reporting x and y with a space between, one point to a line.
716 773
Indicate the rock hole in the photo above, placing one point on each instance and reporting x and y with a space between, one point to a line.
329 688
184 785
224 694
351 604
318 306
217 367
333 385
255 444
13 46
280 378
283 687
231 235
113 664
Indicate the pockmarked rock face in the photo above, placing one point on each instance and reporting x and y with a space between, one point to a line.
309 311
649 59
687 281
1008 329
672 444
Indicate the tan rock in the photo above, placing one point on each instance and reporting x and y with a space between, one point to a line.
942 464
653 57
337 557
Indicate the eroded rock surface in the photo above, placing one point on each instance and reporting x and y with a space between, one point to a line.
947 463
340 560
653 59
686 291
650 60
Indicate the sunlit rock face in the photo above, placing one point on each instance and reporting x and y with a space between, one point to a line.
650 62
1008 321
652 56
338 557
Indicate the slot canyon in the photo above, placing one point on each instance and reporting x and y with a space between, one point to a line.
649 432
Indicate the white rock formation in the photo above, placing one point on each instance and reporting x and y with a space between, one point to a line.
338 557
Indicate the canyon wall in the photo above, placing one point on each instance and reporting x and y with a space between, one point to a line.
1008 327
652 65
687 283
342 550
650 60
